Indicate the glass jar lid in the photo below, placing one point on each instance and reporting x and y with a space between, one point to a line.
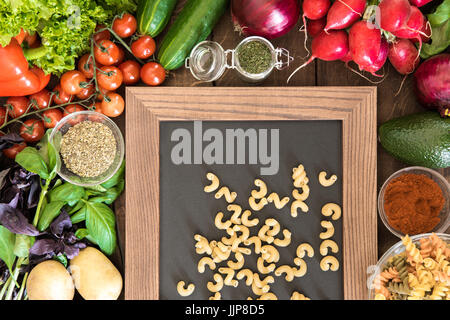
208 61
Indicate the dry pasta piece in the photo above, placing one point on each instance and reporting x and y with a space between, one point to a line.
411 249
260 286
257 206
214 182
220 224
284 242
185 292
303 249
262 234
333 210
248 274
301 196
219 255
262 268
202 246
261 193
329 232
298 204
288 270
268 296
270 253
216 296
328 244
236 209
245 232
274 225
302 267
326 182
245 219
238 264
218 285
256 241
259 290
206 261
225 192
298 296
229 281
329 263
229 241
299 176
275 198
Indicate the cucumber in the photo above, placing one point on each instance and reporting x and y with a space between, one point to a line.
153 15
193 25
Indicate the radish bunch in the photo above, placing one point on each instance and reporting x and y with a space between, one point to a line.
400 21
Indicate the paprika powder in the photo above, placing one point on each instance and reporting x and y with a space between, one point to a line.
412 203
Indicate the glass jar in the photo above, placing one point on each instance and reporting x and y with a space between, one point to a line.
208 60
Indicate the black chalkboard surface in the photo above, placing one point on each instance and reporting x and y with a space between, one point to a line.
185 209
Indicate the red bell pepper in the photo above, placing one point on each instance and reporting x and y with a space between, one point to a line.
16 78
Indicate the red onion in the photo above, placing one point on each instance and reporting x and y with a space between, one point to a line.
266 18
432 83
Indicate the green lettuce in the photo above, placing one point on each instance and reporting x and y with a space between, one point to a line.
440 26
65 27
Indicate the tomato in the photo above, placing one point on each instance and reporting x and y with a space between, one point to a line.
3 117
126 26
97 107
130 71
121 56
60 96
12 152
144 47
32 130
106 53
109 78
85 66
41 99
32 40
102 93
113 105
72 82
73 108
153 74
17 106
86 92
103 35
51 117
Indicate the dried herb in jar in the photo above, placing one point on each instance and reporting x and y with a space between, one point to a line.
254 57
88 149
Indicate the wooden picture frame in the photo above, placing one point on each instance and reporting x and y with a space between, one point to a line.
147 107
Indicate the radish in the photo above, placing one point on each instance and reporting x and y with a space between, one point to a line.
327 46
404 56
368 49
419 3
348 57
343 13
394 14
315 9
413 26
315 27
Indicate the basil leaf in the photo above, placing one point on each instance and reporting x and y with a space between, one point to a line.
100 223
61 257
79 216
68 193
7 242
22 245
115 178
440 27
30 159
50 212
111 194
84 233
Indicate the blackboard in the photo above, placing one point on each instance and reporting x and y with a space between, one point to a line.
185 209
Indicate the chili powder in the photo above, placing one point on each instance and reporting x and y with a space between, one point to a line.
412 203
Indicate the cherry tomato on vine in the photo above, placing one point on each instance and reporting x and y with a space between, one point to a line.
109 78
72 82
121 56
102 35
102 93
113 105
17 106
3 117
12 152
51 117
97 107
130 71
153 74
86 92
106 52
32 130
42 99
125 26
71 109
85 66
60 96
144 47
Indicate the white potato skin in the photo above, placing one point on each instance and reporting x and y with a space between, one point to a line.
95 277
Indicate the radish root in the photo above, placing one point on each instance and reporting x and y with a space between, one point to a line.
364 77
301 67
351 9
306 37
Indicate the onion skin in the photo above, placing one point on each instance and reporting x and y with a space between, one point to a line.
432 83
265 18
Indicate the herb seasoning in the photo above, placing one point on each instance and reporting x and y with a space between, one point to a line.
255 57
88 149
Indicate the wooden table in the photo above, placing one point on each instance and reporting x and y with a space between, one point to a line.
318 73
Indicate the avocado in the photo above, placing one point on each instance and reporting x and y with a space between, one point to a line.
421 139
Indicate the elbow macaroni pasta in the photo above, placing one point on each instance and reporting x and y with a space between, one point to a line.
261 193
185 292
333 210
326 182
214 183
257 206
275 198
329 230
225 192
298 204
329 263
284 242
328 244
245 219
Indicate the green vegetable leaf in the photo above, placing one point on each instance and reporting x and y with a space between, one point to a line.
111 194
7 243
119 175
22 245
30 159
68 193
50 212
100 223
79 216
440 26
61 257
84 233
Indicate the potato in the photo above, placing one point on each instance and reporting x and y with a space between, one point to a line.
95 277
50 280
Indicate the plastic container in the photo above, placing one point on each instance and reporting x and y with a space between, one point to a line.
394 250
69 121
444 215
208 60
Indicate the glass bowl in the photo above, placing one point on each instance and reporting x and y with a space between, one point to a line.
69 121
444 215
394 250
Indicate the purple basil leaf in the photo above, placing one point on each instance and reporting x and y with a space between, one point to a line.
8 140
14 220
60 223
72 251
44 247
